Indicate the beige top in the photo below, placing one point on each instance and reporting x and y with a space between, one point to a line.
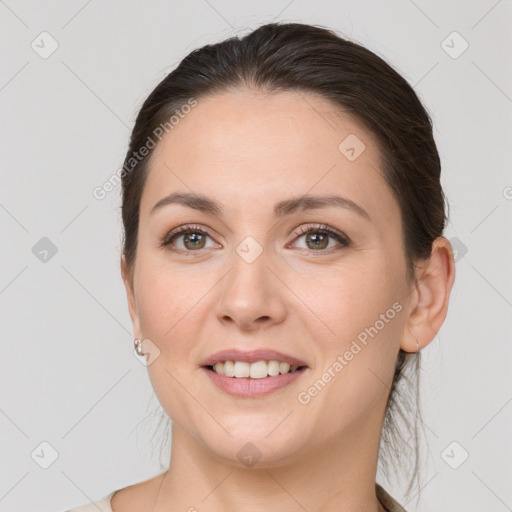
104 504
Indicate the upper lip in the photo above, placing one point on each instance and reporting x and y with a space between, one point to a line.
251 356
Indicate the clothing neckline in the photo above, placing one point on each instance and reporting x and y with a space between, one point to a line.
385 499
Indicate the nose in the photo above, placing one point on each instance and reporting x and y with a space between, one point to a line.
252 296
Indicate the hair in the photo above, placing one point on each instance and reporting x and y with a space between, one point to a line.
279 57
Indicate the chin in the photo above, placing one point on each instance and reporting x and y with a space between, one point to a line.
254 445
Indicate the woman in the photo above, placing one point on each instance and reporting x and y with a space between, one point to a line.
284 265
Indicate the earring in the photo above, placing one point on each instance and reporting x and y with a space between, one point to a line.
138 347
417 346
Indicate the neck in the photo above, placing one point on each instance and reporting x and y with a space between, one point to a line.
338 475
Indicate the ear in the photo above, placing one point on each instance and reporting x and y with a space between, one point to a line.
128 280
429 305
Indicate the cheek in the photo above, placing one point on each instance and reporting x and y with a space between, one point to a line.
169 305
358 338
346 300
173 308
165 299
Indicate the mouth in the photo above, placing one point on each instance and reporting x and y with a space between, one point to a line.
252 374
254 364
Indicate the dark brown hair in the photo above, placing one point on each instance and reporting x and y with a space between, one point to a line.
294 56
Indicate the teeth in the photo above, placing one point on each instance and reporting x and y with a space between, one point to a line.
257 370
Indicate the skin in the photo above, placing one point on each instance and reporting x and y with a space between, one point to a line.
248 151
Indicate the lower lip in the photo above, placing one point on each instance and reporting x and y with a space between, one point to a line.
252 388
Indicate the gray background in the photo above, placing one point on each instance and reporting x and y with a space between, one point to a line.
68 374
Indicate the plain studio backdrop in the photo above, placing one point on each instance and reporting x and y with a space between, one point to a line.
73 75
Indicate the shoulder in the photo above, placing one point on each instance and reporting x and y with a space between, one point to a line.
102 504
388 502
132 498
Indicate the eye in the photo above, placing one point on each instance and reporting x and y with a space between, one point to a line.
193 239
317 237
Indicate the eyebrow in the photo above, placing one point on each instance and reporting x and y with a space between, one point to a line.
204 204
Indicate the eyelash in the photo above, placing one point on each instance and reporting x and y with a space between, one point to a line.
317 228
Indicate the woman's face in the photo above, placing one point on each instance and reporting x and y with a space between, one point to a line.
258 280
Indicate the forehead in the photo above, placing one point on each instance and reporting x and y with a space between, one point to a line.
249 148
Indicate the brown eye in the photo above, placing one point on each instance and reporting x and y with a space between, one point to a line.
186 239
196 240
317 238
